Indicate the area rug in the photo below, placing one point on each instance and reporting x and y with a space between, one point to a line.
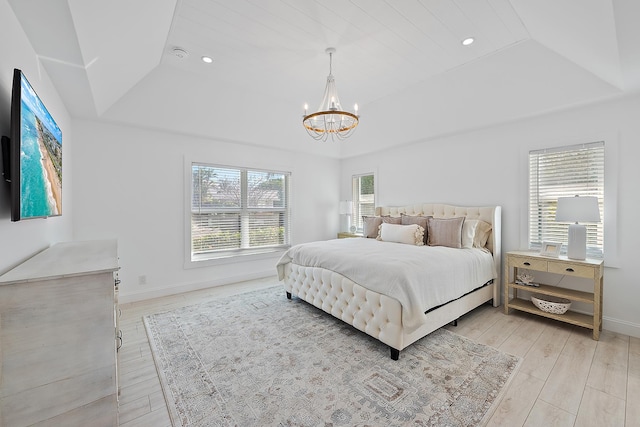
258 359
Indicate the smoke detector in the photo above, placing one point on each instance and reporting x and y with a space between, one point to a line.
179 52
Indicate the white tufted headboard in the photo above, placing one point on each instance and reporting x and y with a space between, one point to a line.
490 214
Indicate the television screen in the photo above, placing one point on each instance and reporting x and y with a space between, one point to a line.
36 155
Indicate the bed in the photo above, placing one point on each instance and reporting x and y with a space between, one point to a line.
398 292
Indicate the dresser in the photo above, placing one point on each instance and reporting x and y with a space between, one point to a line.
591 270
58 361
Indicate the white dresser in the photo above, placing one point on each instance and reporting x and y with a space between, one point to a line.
58 345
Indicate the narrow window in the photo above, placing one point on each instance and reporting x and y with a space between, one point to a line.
364 203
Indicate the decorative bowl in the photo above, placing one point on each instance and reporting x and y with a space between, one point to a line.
551 304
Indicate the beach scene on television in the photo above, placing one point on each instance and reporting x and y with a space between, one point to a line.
40 158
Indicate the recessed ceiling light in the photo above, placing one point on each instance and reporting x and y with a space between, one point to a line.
468 41
207 59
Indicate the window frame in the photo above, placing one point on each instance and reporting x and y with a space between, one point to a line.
356 214
547 184
612 172
235 254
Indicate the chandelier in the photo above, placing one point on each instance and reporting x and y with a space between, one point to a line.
330 120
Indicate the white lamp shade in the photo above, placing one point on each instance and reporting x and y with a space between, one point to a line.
345 207
578 209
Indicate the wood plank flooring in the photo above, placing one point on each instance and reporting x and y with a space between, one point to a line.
565 378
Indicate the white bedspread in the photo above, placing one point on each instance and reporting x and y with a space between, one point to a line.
419 277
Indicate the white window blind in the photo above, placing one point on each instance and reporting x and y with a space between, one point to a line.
237 211
565 172
364 203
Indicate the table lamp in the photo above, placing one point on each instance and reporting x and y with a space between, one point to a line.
345 209
574 210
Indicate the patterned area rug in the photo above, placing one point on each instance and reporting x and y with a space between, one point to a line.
258 359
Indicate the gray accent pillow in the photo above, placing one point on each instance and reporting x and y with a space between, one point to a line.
392 220
371 224
445 232
420 220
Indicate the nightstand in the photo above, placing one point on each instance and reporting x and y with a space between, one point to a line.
346 234
591 269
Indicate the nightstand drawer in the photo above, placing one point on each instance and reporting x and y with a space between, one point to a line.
570 269
531 263
346 235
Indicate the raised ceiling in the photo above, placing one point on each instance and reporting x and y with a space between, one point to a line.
402 61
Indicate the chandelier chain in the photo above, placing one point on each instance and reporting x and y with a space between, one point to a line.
330 63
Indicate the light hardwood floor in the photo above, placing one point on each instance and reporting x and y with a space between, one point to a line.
565 378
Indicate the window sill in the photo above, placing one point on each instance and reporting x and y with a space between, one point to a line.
231 258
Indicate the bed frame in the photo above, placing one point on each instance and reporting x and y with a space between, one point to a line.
379 315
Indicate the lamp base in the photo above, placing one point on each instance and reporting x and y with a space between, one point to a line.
577 248
345 223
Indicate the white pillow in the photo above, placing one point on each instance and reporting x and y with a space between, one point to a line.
483 231
468 232
412 234
475 233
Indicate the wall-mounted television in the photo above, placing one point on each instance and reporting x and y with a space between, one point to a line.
34 153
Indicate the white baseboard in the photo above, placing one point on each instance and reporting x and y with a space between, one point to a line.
616 325
608 323
125 297
621 326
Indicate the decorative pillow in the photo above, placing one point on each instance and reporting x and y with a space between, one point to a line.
411 234
468 232
475 233
483 231
445 232
391 219
371 224
420 220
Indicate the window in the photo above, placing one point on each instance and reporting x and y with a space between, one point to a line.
237 211
565 172
364 203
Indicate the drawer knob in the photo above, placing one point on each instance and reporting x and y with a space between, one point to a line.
569 270
526 263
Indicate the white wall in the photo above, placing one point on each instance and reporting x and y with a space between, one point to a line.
489 167
23 239
127 183
130 186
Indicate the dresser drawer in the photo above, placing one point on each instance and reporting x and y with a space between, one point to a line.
530 263
569 269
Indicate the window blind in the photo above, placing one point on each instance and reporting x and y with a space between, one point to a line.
237 211
565 172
